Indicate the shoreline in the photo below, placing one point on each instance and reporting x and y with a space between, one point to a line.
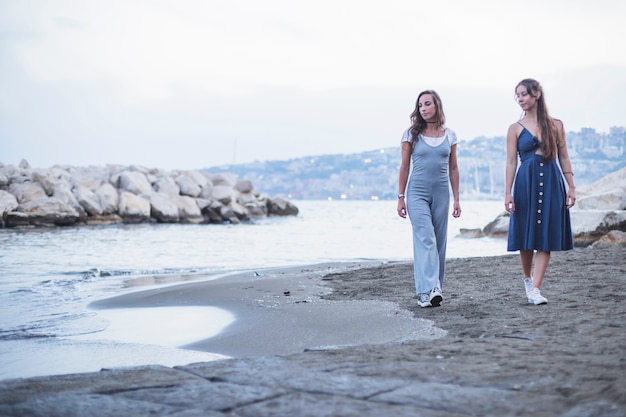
278 310
498 354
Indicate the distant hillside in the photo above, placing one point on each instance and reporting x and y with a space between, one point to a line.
374 174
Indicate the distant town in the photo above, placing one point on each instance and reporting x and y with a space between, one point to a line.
373 175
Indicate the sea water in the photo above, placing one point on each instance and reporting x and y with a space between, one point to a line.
48 276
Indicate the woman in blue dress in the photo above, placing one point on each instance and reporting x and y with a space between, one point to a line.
536 196
430 148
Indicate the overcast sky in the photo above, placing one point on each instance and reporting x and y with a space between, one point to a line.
189 84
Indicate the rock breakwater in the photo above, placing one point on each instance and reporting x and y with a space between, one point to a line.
69 195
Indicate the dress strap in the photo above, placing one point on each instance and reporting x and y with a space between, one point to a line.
520 123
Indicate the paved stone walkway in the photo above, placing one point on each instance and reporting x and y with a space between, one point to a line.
391 380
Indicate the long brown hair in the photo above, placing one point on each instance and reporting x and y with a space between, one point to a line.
418 124
548 131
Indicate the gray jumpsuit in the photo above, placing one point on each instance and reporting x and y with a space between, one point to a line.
428 202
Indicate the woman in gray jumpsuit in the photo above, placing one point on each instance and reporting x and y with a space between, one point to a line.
430 148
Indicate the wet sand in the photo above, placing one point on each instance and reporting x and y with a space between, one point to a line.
282 311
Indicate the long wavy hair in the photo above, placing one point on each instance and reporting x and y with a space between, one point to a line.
548 131
418 124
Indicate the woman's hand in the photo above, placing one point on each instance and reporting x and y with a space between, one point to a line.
509 205
456 209
401 208
571 198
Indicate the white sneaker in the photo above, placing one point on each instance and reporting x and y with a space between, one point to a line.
528 283
436 297
535 297
423 300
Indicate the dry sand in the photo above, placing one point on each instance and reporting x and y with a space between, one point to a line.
573 347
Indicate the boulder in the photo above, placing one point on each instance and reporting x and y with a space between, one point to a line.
212 212
16 175
255 206
608 193
163 208
198 177
88 200
47 211
188 186
590 225
244 186
109 198
46 179
228 214
167 185
279 206
90 177
225 178
499 227
240 211
470 233
207 191
133 208
188 210
609 200
134 182
28 191
611 239
8 203
222 193
63 192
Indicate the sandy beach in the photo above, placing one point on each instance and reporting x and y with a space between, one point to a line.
485 351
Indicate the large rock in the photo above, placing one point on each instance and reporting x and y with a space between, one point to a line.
133 208
46 179
27 191
8 203
63 192
611 239
134 182
223 193
163 208
200 178
47 211
279 206
167 185
256 207
4 180
499 227
188 185
608 193
109 198
590 225
188 210
88 200
225 178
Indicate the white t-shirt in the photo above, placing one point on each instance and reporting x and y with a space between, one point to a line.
406 137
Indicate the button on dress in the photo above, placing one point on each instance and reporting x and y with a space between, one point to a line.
541 220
